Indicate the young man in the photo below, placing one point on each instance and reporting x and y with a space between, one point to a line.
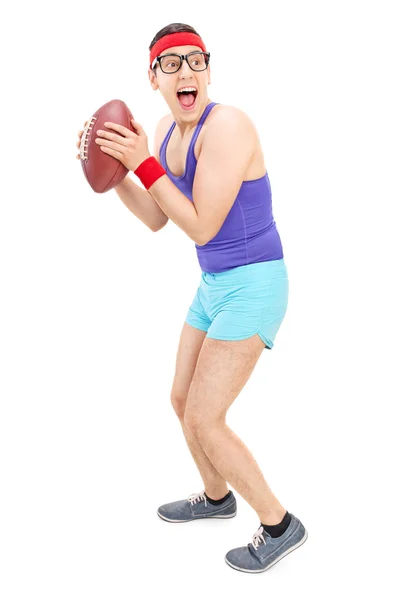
208 176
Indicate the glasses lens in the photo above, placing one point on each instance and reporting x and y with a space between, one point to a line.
170 63
198 62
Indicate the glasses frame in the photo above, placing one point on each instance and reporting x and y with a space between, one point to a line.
181 57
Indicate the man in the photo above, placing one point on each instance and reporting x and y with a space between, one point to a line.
208 176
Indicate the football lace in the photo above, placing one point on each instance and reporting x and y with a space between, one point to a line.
85 137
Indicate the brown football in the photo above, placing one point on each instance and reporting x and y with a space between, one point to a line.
103 171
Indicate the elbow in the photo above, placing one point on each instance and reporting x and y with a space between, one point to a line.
203 238
158 226
201 241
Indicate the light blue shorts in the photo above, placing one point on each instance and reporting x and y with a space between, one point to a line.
240 302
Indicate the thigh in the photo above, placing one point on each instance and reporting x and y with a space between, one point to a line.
221 372
190 343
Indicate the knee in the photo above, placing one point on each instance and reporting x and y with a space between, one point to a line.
178 402
192 422
198 424
202 425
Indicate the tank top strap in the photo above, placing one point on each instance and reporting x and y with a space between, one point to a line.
163 147
199 126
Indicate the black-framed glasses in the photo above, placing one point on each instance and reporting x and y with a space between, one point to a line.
171 63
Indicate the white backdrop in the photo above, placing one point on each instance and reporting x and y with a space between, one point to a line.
92 306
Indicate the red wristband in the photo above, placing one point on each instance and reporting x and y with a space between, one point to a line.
149 171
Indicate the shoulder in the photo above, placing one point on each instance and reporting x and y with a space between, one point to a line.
161 131
230 120
224 126
224 113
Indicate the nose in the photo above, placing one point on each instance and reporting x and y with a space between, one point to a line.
185 70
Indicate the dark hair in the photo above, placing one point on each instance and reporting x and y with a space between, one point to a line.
172 28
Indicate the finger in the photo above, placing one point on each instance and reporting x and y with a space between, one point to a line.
114 137
120 128
111 145
112 152
137 125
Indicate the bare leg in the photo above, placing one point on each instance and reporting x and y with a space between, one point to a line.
189 347
221 372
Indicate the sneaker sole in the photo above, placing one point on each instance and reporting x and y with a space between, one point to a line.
303 539
197 518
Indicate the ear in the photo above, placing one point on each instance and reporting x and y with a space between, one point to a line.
209 74
153 79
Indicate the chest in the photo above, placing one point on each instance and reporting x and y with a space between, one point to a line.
177 151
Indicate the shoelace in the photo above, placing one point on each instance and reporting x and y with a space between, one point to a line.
258 537
194 498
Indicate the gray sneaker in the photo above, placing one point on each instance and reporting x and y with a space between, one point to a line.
264 551
197 507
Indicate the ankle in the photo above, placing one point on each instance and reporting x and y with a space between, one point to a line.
272 517
216 493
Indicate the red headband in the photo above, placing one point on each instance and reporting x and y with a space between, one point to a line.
183 38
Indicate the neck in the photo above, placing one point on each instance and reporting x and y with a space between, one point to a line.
185 126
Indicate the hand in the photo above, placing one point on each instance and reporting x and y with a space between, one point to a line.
78 143
129 147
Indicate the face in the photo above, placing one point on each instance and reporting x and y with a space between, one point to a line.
169 84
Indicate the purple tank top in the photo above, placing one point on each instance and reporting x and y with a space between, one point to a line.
249 233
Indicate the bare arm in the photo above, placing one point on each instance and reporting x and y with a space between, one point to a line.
140 202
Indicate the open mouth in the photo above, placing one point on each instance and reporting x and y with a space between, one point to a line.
187 97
